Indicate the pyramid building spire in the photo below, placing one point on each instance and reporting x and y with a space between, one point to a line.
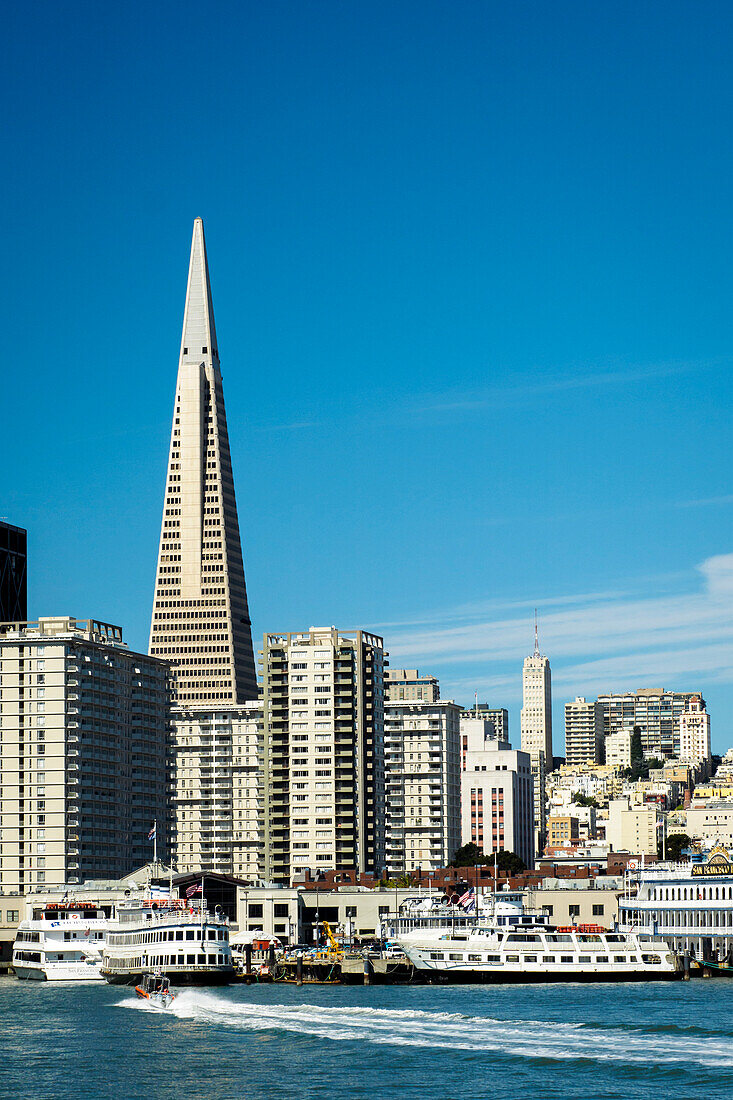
200 621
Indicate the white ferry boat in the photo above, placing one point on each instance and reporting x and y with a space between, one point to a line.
61 943
173 937
518 948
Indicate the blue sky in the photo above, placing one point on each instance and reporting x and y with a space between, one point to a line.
472 278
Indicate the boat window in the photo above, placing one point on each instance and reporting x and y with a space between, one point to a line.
456 956
179 935
474 958
212 934
584 958
619 958
436 955
190 935
651 958
530 958
548 958
190 959
512 958
601 958
493 958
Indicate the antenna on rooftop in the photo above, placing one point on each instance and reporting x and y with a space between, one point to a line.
536 636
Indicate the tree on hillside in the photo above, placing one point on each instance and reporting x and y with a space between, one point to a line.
510 863
580 799
674 845
470 855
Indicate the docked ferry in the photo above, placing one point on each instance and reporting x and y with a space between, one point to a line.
61 943
177 938
516 947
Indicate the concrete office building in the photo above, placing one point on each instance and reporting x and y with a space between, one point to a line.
404 684
200 622
695 733
536 727
655 711
583 732
215 777
323 715
82 753
423 784
13 574
497 792
635 829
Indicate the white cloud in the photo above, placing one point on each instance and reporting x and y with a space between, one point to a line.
596 642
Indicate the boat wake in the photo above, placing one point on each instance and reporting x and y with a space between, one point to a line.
455 1031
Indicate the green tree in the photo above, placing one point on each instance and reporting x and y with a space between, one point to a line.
674 845
470 855
584 799
509 863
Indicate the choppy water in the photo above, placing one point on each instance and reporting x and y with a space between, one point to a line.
435 1043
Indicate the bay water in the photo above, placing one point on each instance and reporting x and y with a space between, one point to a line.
576 1042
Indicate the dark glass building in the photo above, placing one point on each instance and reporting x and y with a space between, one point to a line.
13 586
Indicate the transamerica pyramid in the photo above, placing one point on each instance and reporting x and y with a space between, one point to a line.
200 618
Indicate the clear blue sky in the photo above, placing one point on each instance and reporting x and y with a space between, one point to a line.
472 278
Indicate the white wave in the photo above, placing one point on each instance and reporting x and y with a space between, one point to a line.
452 1031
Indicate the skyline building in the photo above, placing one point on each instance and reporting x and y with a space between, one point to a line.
13 573
584 742
497 798
536 727
405 684
423 783
82 753
695 733
655 711
323 752
200 622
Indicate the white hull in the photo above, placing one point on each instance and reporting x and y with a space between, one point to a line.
80 972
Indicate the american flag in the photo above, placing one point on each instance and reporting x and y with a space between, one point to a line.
195 889
468 896
153 827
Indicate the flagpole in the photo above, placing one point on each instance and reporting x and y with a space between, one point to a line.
155 840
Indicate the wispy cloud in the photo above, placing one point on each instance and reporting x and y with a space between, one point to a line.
533 386
597 641
705 502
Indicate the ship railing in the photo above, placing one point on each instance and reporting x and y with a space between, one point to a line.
149 918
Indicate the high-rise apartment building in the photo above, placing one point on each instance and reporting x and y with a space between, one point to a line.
323 715
583 732
215 777
82 753
423 783
695 733
13 576
404 684
200 622
655 711
497 800
536 726
496 717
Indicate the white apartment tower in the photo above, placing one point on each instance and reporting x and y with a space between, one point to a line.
583 732
215 776
200 622
536 726
323 715
83 731
423 783
497 800
695 733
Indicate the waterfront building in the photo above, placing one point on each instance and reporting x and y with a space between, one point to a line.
215 778
423 783
82 753
583 732
405 684
536 727
497 791
634 829
695 733
13 573
323 716
570 901
655 711
689 905
200 621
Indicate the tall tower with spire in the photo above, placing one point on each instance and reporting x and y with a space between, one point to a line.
200 620
536 724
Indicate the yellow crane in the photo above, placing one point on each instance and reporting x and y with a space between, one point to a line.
333 947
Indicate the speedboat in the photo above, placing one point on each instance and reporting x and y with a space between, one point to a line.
155 988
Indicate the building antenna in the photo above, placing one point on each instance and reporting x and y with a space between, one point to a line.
536 636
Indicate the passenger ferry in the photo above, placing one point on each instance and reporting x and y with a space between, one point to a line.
62 942
174 937
516 947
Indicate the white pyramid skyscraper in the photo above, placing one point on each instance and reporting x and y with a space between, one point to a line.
200 620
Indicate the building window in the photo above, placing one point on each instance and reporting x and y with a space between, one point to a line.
574 910
255 910
598 910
